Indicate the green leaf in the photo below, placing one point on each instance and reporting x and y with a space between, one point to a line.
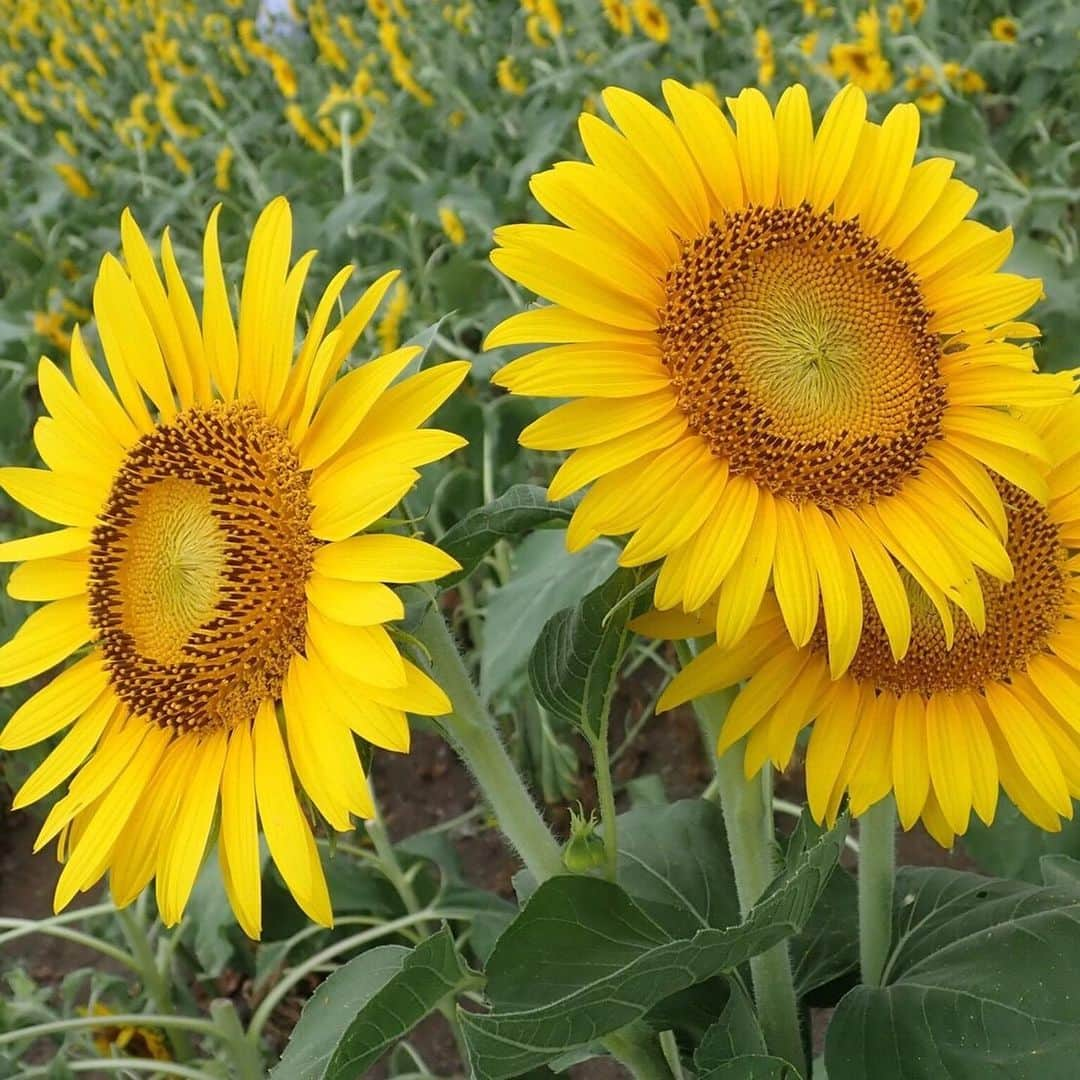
521 509
736 1032
982 983
1013 846
828 946
674 862
577 656
1060 870
752 1067
369 1003
546 578
584 958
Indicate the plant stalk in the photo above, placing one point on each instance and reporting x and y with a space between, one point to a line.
877 869
748 821
605 793
479 745
476 740
156 986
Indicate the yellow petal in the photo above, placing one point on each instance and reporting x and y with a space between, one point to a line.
53 496
377 724
364 652
355 603
758 697
185 844
187 322
710 140
219 334
49 579
982 300
592 461
292 847
923 187
882 579
69 753
795 137
155 303
91 852
101 401
595 420
553 325
947 755
591 370
951 208
238 845
49 635
899 138
384 557
261 300
45 545
720 541
981 756
131 347
828 747
794 579
347 402
758 150
410 402
341 508
835 145
841 594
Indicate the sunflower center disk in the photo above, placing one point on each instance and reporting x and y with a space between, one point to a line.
198 566
799 350
1020 616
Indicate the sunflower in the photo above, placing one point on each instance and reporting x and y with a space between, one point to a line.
962 714
791 353
207 572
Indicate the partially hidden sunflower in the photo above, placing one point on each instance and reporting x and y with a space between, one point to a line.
961 715
791 357
219 580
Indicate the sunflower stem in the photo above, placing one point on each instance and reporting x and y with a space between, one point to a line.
748 821
877 869
243 1053
156 986
479 745
605 795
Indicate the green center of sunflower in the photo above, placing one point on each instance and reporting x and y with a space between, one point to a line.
799 351
1020 617
198 566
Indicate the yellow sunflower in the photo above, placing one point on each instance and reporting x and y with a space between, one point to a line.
961 714
791 357
207 572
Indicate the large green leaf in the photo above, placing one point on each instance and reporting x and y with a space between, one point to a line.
521 509
982 983
674 862
576 659
546 578
1013 846
367 1004
584 959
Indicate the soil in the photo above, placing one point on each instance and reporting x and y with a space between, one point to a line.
417 791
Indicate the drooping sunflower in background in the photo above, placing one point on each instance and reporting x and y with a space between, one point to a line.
960 714
791 355
208 570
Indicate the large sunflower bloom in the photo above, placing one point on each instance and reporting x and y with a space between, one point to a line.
791 358
207 572
961 714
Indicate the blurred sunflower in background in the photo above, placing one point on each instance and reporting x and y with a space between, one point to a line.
961 714
792 353
208 570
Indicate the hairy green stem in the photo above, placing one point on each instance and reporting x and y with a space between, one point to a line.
23 927
243 1052
748 821
156 986
877 868
605 793
121 1065
478 743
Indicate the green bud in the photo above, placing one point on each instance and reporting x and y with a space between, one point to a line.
584 851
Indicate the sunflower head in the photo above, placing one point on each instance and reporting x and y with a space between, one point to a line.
962 714
220 577
793 359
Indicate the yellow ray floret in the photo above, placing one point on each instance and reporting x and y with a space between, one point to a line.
790 358
219 578
962 714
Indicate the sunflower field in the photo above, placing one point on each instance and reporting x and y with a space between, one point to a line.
540 537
